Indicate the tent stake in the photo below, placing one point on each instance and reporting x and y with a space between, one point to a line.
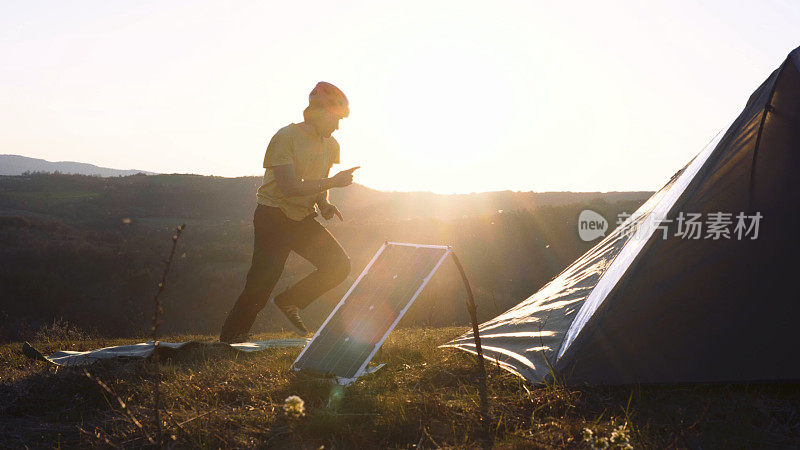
473 314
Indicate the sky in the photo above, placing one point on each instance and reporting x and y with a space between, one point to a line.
445 96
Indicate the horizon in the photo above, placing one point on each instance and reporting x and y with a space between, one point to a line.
355 183
445 98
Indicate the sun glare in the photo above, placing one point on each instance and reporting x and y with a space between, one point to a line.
452 106
444 110
446 97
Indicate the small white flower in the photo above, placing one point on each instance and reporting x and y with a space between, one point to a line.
600 443
588 435
294 407
620 436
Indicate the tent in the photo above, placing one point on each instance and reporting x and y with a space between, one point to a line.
655 301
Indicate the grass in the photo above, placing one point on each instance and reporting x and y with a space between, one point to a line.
423 397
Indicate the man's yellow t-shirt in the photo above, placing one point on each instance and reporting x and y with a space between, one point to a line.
312 157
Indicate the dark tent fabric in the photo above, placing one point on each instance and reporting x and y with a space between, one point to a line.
655 307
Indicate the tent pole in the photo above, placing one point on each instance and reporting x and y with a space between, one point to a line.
473 314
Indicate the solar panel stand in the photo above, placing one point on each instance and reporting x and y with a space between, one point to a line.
473 315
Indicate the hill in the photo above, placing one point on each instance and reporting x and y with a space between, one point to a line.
18 165
369 205
90 250
195 197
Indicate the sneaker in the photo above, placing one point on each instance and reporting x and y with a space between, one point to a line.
239 338
293 314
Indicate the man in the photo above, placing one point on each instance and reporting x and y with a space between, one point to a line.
297 163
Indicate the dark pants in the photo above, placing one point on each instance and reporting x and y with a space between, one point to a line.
276 236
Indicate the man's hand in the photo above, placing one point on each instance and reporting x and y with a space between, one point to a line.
292 186
343 178
328 211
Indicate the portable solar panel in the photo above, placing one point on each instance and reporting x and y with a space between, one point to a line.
369 311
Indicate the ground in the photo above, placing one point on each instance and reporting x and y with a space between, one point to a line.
424 397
